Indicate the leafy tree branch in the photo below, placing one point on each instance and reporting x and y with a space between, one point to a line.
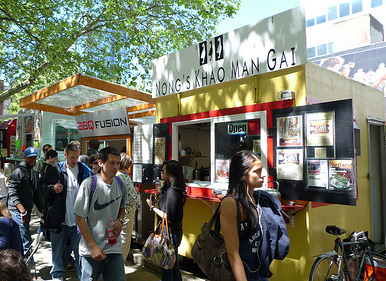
44 41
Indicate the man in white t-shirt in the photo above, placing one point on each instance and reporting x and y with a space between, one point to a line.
107 202
60 185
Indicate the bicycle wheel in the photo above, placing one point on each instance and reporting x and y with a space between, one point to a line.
326 269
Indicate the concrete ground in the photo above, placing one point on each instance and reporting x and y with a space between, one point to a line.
136 268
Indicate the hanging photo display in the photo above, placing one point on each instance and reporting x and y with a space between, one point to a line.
314 152
290 164
320 129
290 131
341 175
317 173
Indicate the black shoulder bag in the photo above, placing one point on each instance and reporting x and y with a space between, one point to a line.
209 251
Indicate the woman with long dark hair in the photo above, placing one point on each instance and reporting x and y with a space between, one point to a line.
171 203
259 233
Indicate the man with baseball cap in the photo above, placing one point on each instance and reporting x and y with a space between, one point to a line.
22 194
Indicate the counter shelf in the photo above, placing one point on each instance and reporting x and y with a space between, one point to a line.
288 210
188 195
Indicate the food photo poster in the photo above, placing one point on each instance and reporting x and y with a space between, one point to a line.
222 170
341 175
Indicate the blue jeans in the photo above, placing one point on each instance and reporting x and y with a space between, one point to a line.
112 268
24 230
58 244
173 274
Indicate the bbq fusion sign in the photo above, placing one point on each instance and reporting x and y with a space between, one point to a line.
275 43
103 123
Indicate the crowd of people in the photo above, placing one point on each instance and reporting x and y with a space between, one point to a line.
74 213
88 209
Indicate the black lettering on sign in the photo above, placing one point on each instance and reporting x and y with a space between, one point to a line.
219 47
270 66
203 53
236 129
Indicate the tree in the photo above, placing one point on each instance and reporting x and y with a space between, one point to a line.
44 41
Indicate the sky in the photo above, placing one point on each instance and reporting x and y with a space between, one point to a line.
255 10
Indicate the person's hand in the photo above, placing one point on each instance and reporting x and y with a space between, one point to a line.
117 228
149 201
58 187
97 253
25 219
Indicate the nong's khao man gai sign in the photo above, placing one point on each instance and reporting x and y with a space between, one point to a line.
103 123
275 43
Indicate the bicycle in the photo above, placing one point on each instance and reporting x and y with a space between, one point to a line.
352 260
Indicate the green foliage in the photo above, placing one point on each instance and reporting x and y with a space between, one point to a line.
44 41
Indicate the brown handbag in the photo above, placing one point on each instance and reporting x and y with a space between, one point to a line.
209 251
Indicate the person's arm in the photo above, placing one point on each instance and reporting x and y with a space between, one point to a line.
96 253
119 222
14 185
50 182
229 227
149 202
171 204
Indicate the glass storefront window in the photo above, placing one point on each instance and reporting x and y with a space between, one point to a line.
234 136
64 133
227 135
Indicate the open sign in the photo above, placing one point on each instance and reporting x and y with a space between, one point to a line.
240 128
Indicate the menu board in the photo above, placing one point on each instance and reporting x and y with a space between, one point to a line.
143 144
290 164
137 173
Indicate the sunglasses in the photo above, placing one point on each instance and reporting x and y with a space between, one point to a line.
95 163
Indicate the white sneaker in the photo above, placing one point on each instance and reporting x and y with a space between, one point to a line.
57 279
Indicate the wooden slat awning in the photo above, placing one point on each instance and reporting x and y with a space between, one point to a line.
81 94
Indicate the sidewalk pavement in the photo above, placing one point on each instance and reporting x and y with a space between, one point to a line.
136 267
